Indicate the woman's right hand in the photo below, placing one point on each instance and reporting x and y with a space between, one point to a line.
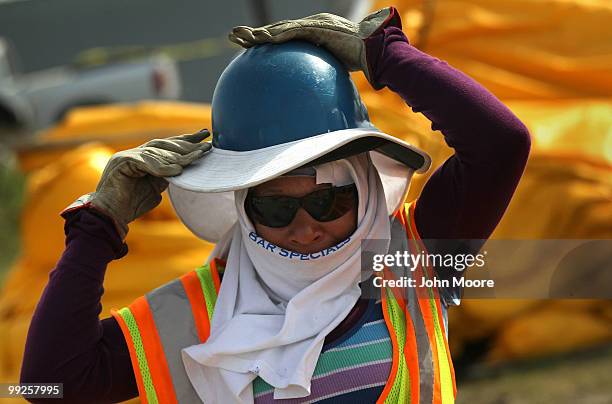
133 179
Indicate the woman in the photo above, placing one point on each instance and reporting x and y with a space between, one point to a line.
294 317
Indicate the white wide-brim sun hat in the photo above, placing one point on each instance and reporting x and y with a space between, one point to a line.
203 196
275 108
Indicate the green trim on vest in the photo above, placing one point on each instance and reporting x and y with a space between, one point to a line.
400 391
208 288
446 380
130 322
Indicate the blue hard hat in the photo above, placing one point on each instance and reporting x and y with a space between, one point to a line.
272 94
277 107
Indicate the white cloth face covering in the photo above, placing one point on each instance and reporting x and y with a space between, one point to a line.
275 306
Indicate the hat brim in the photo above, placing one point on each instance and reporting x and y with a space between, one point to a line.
221 170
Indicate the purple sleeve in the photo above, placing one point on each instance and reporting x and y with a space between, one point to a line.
67 343
466 196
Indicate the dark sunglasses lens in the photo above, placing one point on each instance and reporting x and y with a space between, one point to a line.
273 211
331 203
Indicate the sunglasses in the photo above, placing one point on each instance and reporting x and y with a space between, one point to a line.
324 205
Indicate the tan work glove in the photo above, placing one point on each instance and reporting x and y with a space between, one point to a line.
344 38
132 181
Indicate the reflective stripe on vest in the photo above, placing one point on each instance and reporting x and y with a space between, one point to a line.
414 319
158 325
178 314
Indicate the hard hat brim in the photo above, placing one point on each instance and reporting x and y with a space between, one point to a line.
222 170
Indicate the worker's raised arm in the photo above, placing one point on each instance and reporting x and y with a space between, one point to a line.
466 197
67 343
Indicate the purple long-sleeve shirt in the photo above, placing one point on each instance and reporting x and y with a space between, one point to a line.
464 199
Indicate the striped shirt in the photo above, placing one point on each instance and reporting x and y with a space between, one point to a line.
352 369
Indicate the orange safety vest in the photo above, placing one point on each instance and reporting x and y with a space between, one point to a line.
178 314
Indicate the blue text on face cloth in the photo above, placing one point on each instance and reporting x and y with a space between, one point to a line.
266 245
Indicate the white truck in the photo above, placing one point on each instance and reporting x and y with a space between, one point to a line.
33 101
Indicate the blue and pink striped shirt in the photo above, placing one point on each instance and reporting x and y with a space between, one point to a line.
353 368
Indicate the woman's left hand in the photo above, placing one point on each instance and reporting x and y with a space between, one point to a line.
344 38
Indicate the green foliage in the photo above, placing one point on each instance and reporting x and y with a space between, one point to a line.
12 185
